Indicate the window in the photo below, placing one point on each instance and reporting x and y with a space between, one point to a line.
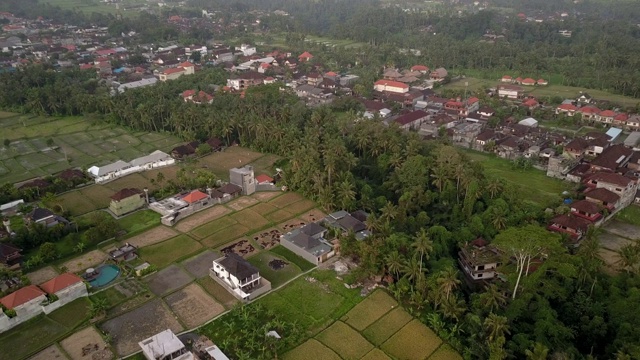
480 267
618 189
480 275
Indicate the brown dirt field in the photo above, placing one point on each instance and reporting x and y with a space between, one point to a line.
243 247
249 218
193 306
610 259
219 293
50 353
286 199
266 195
98 194
39 276
264 208
242 202
279 216
86 337
313 215
291 224
143 322
170 173
153 236
201 217
90 259
299 206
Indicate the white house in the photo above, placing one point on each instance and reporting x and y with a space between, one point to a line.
391 86
111 171
531 122
510 91
165 346
154 160
26 302
479 260
239 277
247 50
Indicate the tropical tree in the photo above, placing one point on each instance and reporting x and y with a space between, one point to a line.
394 263
496 327
423 245
447 281
538 352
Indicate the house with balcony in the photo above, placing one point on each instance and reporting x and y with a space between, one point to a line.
622 186
479 260
239 277
127 200
587 210
165 346
571 225
605 198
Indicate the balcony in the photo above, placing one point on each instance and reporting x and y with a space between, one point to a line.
591 217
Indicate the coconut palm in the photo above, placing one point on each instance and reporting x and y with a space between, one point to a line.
447 281
539 352
423 245
629 258
495 326
492 298
394 263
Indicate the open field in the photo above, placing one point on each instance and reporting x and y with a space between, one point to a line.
72 314
221 162
193 306
77 203
218 292
112 296
87 337
539 187
242 202
29 337
225 235
445 352
369 310
90 259
42 275
276 277
314 347
249 218
345 341
139 221
286 199
168 280
292 257
169 251
201 217
264 208
387 325
630 214
153 236
96 6
413 341
78 142
50 353
199 265
278 216
212 227
264 164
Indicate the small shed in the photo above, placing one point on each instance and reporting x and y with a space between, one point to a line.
614 134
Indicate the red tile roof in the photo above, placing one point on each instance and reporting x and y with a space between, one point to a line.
411 117
610 178
622 117
603 195
586 206
187 93
419 68
195 196
507 77
607 113
331 73
305 55
397 84
186 64
568 107
571 222
60 282
21 296
264 179
589 109
542 81
528 81
173 70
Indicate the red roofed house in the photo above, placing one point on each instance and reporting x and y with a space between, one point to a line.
196 198
620 185
528 82
621 120
391 86
171 74
200 98
530 103
126 201
518 80
86 67
188 67
67 287
305 56
420 68
542 82
25 302
567 109
264 179
586 210
604 198
439 74
507 79
606 116
573 226
589 112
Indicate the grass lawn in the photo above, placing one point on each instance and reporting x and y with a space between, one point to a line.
99 195
264 164
169 251
218 292
630 214
386 326
220 162
249 218
369 310
30 337
276 277
212 227
225 235
292 257
286 200
140 221
72 314
135 180
111 295
264 208
312 348
445 352
534 184
413 341
76 203
279 216
376 354
345 341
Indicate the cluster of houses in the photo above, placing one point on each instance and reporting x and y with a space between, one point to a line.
109 172
525 82
31 301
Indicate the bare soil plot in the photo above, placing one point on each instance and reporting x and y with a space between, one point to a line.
42 275
300 206
313 215
128 329
292 224
243 248
266 195
279 216
345 341
613 242
445 352
90 259
264 208
86 343
200 264
201 218
167 280
169 173
369 310
130 304
387 325
376 354
225 235
50 353
77 203
218 292
242 202
221 162
286 199
414 341
623 229
314 347
610 259
156 235
212 227
267 238
250 219
193 306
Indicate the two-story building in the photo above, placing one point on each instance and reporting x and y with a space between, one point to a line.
165 346
573 226
479 260
391 86
412 120
620 185
126 201
605 198
512 92
239 277
587 210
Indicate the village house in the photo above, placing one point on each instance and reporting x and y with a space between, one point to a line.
244 80
110 171
197 97
576 147
126 201
438 74
152 161
183 151
347 223
589 113
45 217
584 98
479 260
603 197
239 277
390 86
587 210
305 56
512 92
308 242
412 120
567 109
196 199
66 287
612 158
621 185
420 68
185 68
165 346
26 302
244 178
10 255
633 122
575 227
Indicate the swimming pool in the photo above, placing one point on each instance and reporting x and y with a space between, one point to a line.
106 274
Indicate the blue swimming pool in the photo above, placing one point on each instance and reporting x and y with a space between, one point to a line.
106 274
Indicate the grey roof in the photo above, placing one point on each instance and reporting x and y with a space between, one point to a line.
633 139
351 224
309 244
103 170
312 229
153 157
238 266
137 84
339 214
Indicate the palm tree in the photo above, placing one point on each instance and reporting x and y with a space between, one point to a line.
453 308
394 263
423 244
413 270
388 212
439 177
629 258
494 187
448 281
539 352
495 326
499 220
347 194
492 298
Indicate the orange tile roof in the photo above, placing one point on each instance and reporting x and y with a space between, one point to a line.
173 71
21 296
397 84
195 196
263 179
60 282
